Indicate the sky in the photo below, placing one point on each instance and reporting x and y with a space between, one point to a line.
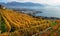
50 2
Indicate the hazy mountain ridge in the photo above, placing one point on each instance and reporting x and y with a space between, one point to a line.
25 4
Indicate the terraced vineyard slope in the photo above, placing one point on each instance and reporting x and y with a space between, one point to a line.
13 23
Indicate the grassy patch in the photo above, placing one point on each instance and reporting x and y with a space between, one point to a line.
3 27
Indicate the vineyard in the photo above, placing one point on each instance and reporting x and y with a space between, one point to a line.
13 23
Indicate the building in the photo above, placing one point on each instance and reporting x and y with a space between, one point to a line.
2 7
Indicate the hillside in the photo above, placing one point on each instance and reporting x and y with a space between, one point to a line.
18 24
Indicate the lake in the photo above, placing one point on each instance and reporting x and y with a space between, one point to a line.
49 12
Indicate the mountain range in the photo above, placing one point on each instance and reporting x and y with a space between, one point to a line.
19 4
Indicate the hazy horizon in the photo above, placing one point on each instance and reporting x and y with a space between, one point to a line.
49 2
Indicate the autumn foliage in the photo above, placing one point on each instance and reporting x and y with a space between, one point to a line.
19 24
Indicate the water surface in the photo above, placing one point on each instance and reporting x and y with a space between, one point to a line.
50 12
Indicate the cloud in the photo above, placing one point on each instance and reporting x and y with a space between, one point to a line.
51 2
18 0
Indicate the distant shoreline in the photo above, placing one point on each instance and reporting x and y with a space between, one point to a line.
44 17
51 18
